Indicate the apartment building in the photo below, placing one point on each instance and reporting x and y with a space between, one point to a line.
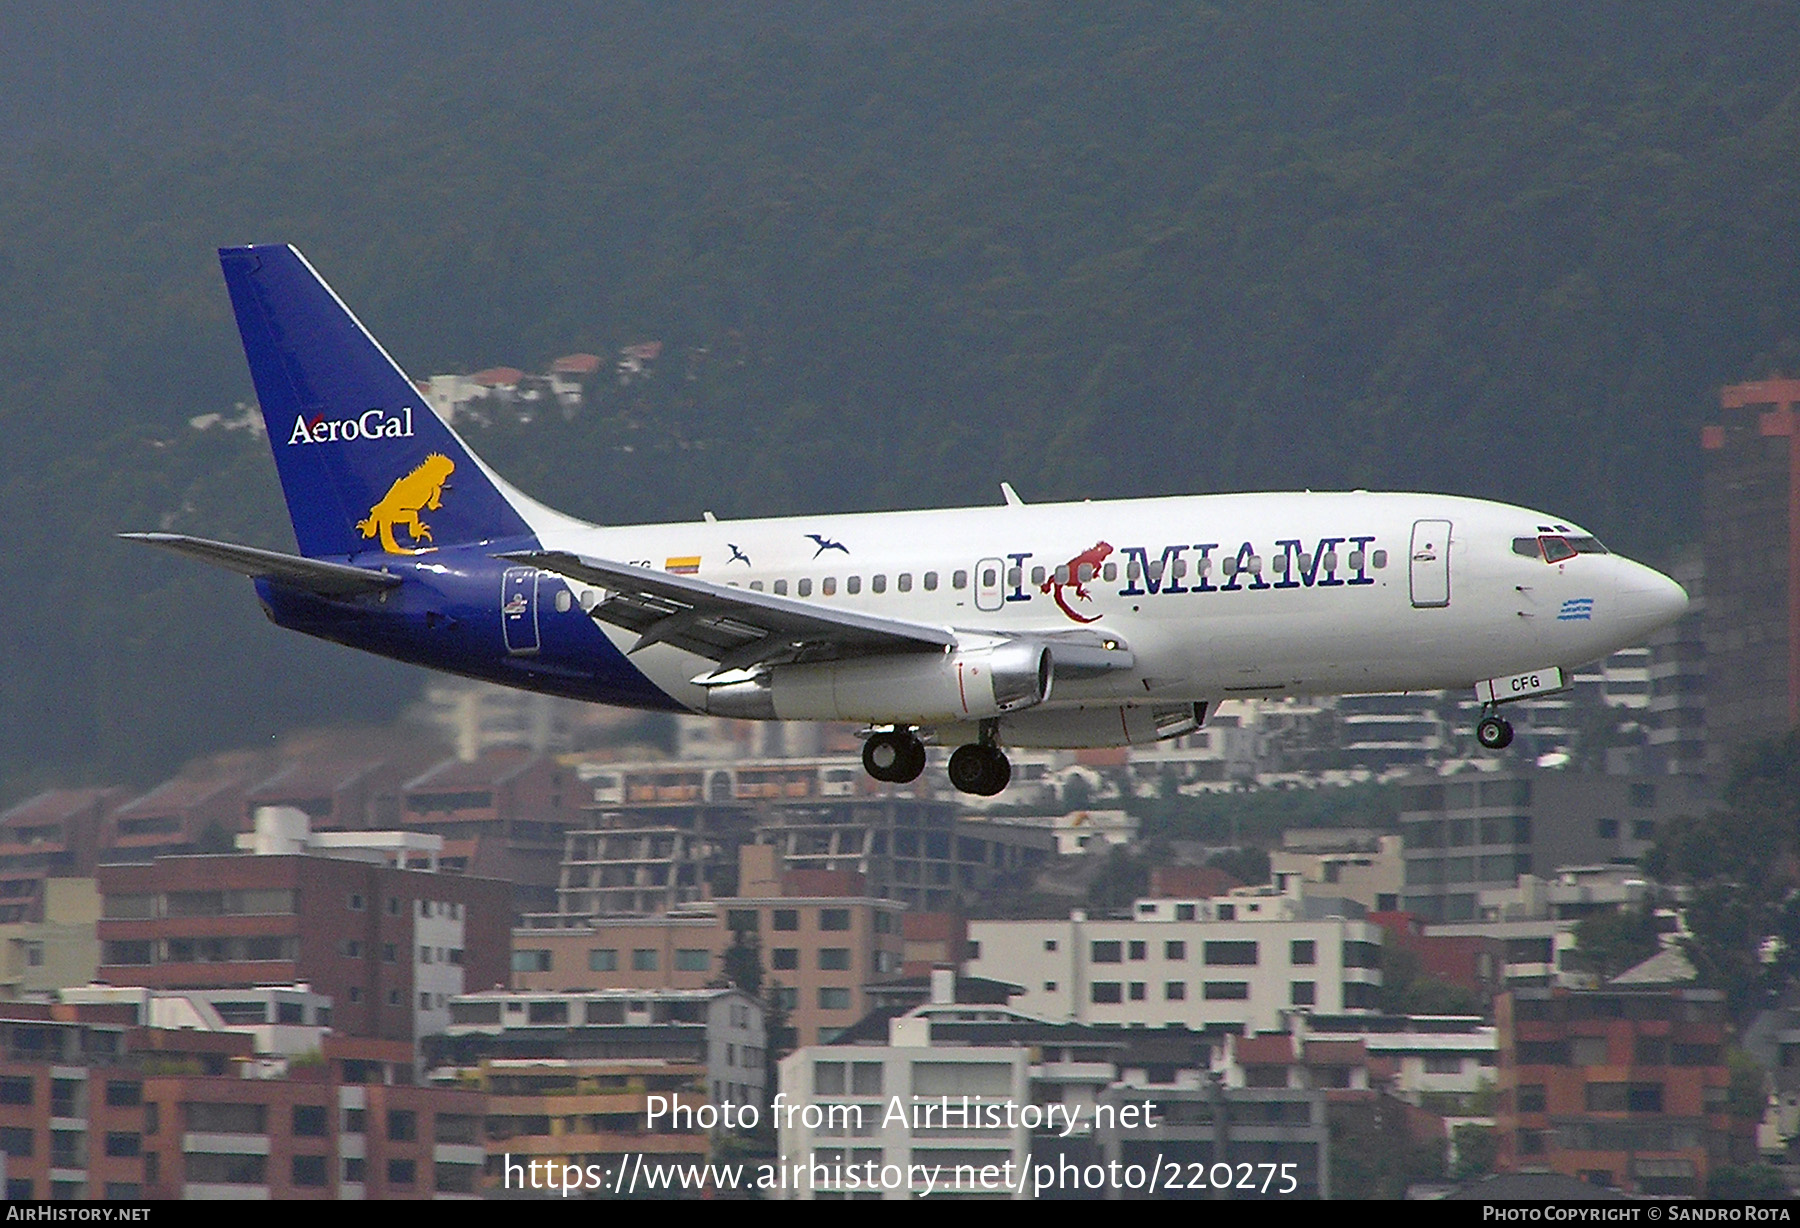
504 815
93 1105
55 834
720 1029
1477 831
1236 962
60 948
580 1111
389 946
857 1082
1625 1089
820 938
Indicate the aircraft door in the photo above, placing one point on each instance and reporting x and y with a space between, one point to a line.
1431 564
990 584
518 610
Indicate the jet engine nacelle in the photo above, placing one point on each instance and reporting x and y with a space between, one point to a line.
902 689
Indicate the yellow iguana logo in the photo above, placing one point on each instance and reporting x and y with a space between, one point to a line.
420 490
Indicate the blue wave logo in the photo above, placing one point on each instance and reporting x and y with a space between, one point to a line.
1576 610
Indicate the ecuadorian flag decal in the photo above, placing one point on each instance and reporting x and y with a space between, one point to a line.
1576 610
683 565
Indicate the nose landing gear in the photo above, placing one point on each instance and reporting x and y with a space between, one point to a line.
1493 731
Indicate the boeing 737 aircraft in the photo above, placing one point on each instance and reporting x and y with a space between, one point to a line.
1053 625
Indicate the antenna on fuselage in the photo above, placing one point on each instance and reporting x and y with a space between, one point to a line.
1012 496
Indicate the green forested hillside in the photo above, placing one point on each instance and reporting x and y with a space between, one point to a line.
1096 250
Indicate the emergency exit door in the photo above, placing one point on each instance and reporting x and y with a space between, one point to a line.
1431 564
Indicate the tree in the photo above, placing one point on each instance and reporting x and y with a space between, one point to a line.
742 962
1606 944
1477 1149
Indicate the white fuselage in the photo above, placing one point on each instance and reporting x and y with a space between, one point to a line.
1216 596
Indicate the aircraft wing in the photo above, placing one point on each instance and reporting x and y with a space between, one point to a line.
740 628
310 575
733 626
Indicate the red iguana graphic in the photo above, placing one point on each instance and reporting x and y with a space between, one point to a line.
1091 558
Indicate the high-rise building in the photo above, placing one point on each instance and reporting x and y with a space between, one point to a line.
1752 535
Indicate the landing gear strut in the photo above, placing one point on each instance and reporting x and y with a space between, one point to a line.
981 767
1493 731
894 756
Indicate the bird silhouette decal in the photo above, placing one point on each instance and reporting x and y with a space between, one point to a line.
737 556
825 543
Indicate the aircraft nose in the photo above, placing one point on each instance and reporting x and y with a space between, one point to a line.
1648 599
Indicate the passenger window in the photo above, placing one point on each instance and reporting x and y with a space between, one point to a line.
853 585
878 584
1202 566
905 582
1305 562
1084 573
1378 560
1331 560
1110 572
1229 566
756 586
1133 571
1356 560
1178 568
1279 563
1037 575
563 601
1256 564
931 581
781 588
804 588
990 577
1015 576
1062 574
828 586
959 579
1556 550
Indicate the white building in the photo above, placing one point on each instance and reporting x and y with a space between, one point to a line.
903 1119
1236 961
726 1024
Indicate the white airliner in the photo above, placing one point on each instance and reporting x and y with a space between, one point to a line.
1044 625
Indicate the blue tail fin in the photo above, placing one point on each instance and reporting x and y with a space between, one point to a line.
364 462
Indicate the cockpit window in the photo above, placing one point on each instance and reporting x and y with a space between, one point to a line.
1587 545
1526 546
1556 549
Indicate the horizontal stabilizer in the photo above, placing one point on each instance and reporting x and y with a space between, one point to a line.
312 575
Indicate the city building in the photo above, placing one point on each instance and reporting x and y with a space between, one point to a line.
504 815
1471 831
38 957
1625 1089
820 939
580 1111
859 1081
95 1105
721 1030
56 834
1751 511
1236 962
390 947
1347 863
185 815
665 833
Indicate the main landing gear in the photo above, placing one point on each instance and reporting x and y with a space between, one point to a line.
1493 731
981 767
894 756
